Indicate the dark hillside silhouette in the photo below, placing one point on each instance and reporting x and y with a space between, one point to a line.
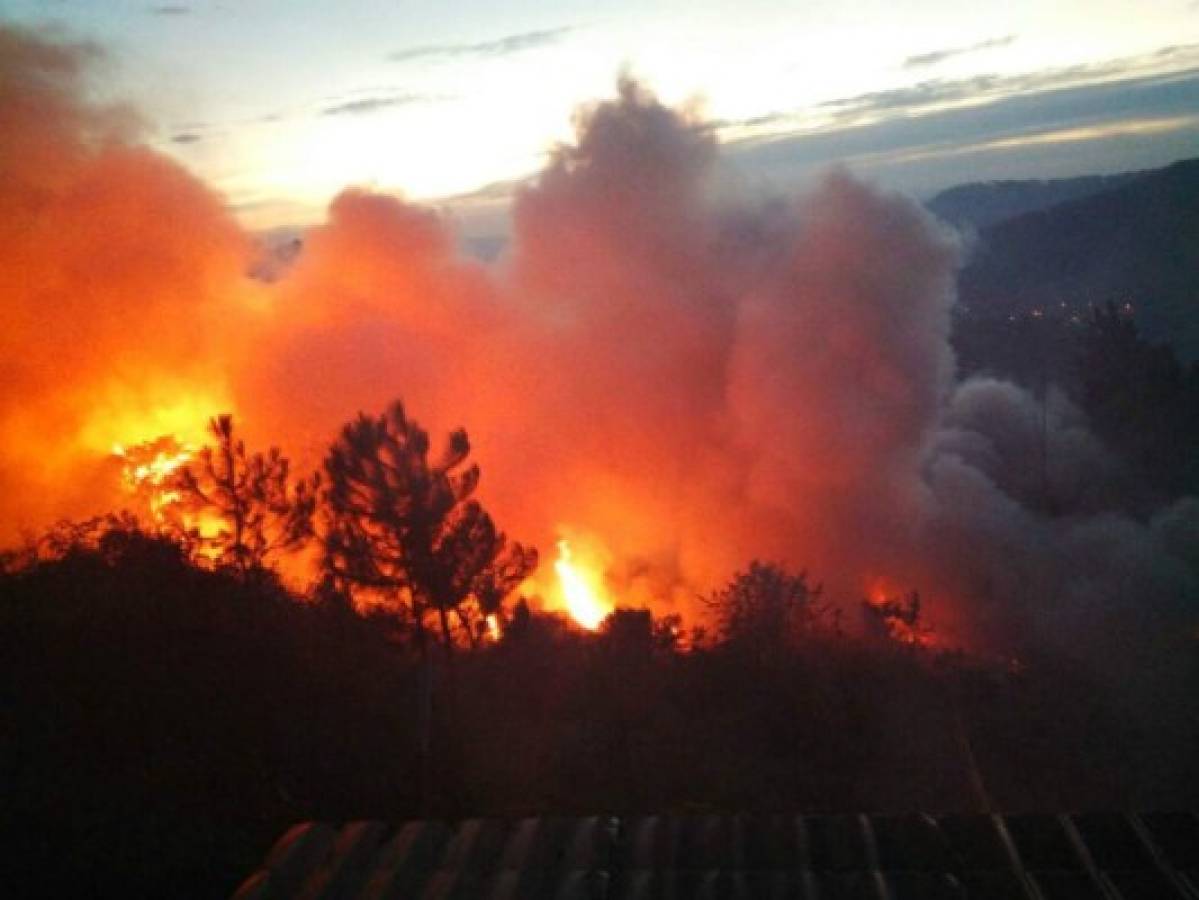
1136 244
979 204
162 719
167 722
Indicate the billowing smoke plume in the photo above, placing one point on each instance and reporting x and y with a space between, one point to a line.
119 274
678 382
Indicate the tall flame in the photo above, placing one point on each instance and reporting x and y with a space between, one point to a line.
584 599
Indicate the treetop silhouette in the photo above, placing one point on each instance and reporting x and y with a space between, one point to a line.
261 511
766 608
406 528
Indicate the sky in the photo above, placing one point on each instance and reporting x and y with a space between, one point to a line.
279 104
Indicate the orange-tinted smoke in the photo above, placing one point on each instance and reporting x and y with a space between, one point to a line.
119 274
673 382
682 388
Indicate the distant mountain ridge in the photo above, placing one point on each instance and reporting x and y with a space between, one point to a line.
980 204
1136 242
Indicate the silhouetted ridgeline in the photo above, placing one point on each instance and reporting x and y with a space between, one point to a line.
1136 243
979 204
166 723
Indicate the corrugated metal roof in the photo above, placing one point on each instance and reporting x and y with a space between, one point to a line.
1108 856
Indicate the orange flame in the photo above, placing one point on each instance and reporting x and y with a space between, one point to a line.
146 469
580 589
494 631
901 615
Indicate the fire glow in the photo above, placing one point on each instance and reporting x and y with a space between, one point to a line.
701 378
146 470
580 590
626 363
900 615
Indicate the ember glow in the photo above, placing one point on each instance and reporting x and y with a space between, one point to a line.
900 616
581 590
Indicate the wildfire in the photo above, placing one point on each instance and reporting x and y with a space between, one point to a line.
584 598
494 631
146 469
900 616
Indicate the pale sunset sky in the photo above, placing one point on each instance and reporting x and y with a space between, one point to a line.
281 103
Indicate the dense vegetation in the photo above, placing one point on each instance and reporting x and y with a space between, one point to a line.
166 721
